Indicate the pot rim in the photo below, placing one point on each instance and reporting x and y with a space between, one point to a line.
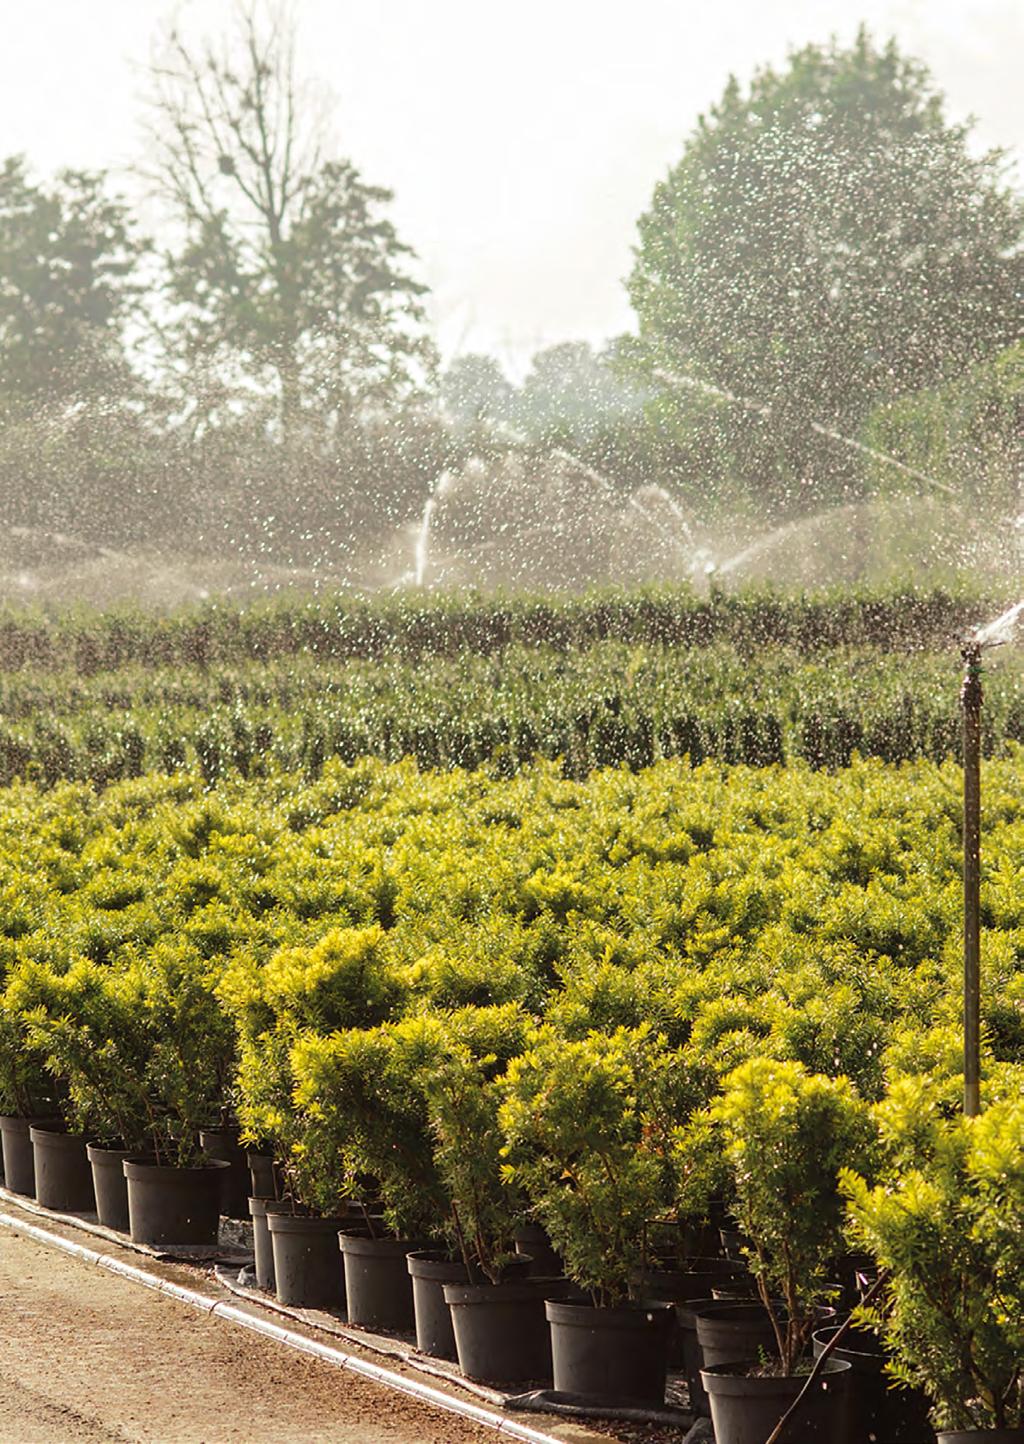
435 1265
22 1122
631 1315
730 1379
365 1244
100 1151
40 1133
142 1167
287 1222
521 1291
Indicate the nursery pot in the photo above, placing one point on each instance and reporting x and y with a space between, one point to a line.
746 1407
307 1269
981 1436
681 1287
430 1270
173 1205
687 1349
531 1240
879 1411
110 1185
694 1281
222 1144
613 1356
377 1281
19 1162
501 1330
63 1175
261 1174
262 1245
733 1332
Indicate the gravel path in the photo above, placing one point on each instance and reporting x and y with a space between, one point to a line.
89 1358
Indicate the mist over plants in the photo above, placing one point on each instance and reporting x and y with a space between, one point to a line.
246 393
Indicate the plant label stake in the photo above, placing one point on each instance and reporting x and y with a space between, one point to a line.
971 700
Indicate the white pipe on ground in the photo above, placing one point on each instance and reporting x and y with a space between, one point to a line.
424 1393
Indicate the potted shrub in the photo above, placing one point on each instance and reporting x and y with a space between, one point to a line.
85 1025
161 1039
786 1134
364 1134
342 981
481 1308
586 1123
948 1222
27 1090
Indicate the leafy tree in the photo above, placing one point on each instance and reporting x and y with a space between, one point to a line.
475 390
572 390
290 283
69 276
968 434
827 241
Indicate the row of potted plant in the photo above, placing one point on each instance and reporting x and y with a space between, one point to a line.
450 1130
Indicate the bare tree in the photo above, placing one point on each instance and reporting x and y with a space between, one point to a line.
287 278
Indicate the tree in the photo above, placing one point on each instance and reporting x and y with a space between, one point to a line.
968 435
475 391
289 282
828 241
571 390
69 259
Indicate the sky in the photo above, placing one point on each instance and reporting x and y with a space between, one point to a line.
522 142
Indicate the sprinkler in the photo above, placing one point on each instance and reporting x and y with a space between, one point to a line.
995 634
970 701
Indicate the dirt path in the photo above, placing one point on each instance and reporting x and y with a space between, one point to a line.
90 1358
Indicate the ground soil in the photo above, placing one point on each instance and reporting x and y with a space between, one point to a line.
90 1358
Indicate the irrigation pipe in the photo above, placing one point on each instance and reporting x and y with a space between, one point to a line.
423 1393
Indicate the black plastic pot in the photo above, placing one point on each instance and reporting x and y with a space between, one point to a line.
612 1356
262 1245
531 1240
173 1205
109 1184
307 1269
19 1162
261 1174
734 1332
430 1270
746 1408
377 1281
879 1410
63 1175
222 1144
687 1349
695 1281
501 1330
981 1436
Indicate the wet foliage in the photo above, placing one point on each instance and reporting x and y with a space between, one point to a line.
614 680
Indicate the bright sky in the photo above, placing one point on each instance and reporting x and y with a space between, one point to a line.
522 140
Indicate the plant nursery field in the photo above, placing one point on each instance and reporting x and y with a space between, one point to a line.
618 679
625 990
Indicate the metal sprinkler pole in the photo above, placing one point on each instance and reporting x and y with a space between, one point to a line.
970 700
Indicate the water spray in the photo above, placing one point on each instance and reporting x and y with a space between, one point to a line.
995 634
678 380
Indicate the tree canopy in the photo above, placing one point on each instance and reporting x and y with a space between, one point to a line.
69 258
827 241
